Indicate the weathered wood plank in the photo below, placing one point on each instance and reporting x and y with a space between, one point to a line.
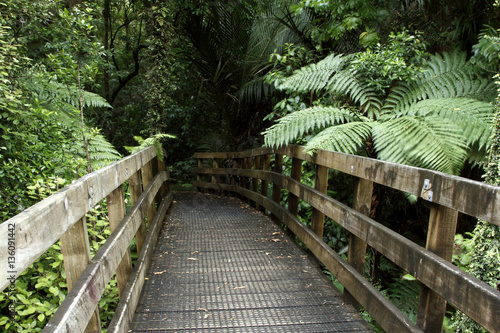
357 248
467 196
296 173
41 225
79 305
130 297
440 240
320 184
135 189
75 248
116 212
147 176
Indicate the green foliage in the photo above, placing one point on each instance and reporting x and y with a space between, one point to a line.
399 59
437 120
155 140
334 19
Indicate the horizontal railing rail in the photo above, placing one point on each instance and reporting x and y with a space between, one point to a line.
62 216
443 282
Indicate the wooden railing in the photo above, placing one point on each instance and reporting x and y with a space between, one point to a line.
62 216
441 281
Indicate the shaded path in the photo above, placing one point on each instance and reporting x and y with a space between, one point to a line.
221 266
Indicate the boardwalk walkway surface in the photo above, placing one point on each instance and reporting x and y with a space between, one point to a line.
221 266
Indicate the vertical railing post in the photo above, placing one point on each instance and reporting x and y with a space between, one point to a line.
357 248
255 180
215 165
135 188
296 173
116 213
75 248
266 164
320 184
147 177
165 187
278 168
440 240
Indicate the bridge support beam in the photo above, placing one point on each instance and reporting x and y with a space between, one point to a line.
116 212
278 168
356 254
320 184
75 248
440 240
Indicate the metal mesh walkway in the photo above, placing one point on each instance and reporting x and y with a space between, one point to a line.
223 267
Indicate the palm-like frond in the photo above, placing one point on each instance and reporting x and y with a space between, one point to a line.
315 76
295 124
430 142
53 92
101 151
332 75
446 76
346 138
474 117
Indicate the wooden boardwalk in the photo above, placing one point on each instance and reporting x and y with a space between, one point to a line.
221 266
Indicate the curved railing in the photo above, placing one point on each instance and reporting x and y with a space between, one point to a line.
442 281
62 216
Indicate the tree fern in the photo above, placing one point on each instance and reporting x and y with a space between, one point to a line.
53 92
445 76
296 124
154 140
315 76
438 121
474 117
347 138
101 151
430 142
333 75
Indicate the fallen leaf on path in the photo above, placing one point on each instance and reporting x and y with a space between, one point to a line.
202 309
158 273
236 288
193 259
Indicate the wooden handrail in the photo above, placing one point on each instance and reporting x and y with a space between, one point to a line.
467 196
62 216
475 298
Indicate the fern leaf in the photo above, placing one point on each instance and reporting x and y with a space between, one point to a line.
473 116
54 92
445 76
429 142
298 123
345 138
315 76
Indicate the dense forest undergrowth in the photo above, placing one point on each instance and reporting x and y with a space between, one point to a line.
413 82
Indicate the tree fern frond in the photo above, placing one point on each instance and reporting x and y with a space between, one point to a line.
154 140
346 82
315 76
53 92
296 124
346 138
473 116
429 142
445 76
